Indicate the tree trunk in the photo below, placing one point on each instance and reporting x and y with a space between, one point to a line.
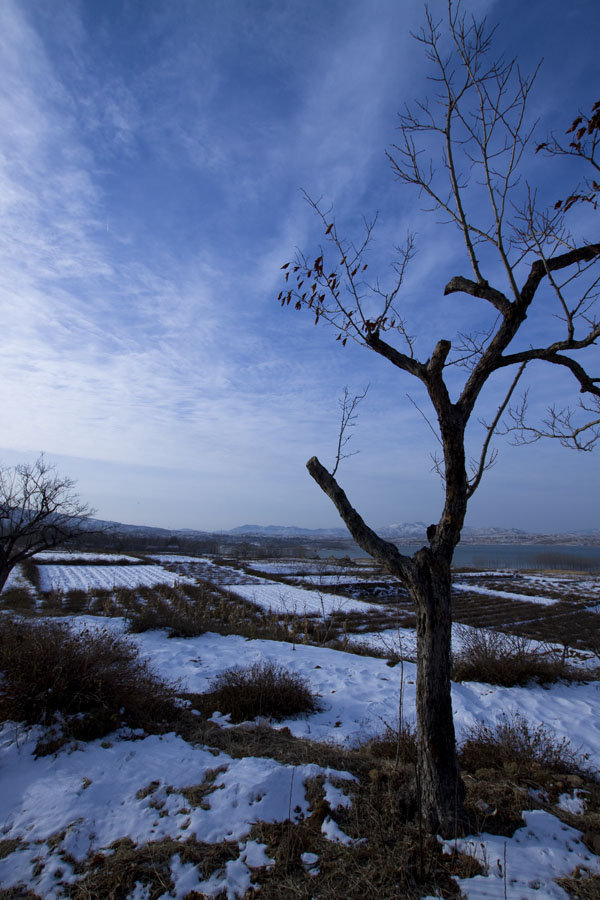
440 785
4 573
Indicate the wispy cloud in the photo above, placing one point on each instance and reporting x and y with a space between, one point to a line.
151 161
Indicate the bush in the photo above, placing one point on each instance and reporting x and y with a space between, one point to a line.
398 744
505 659
181 617
18 598
514 742
263 689
31 572
87 683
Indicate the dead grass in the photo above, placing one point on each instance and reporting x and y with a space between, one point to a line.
17 893
196 794
84 684
30 571
188 610
513 742
178 615
18 598
387 855
581 885
507 659
115 875
262 689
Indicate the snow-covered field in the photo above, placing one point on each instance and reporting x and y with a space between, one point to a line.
68 578
303 566
339 579
359 693
285 599
507 595
402 642
67 555
56 810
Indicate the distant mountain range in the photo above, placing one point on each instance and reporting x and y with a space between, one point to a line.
402 533
415 532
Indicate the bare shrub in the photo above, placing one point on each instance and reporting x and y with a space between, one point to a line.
85 683
31 572
506 659
515 743
398 744
181 617
76 601
262 689
18 598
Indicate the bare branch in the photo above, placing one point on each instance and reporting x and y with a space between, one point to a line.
560 424
388 554
337 290
348 406
479 289
484 462
420 411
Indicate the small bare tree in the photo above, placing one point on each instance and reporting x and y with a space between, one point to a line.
39 509
462 150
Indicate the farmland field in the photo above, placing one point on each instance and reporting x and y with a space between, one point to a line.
207 798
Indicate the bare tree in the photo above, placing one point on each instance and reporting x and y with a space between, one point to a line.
39 509
462 150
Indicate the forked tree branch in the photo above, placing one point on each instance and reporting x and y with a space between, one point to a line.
479 289
559 425
387 554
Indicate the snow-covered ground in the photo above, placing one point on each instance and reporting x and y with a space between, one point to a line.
68 578
66 555
360 693
299 566
525 866
403 643
80 801
507 595
285 599
16 579
341 579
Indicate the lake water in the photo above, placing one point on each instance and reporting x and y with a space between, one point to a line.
505 556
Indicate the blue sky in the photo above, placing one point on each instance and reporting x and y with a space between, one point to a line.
152 156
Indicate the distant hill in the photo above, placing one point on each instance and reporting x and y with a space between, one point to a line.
402 533
415 532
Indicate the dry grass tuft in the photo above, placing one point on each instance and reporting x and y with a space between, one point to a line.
19 599
263 689
507 659
515 745
397 744
581 885
84 684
